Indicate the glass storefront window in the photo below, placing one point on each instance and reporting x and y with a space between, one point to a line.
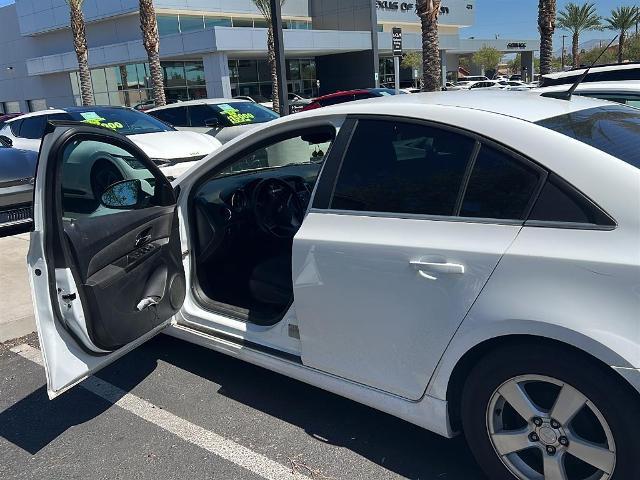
174 74
217 22
293 69
247 70
99 80
75 83
195 73
129 85
242 22
168 24
191 23
260 23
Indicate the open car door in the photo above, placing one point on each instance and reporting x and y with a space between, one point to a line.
105 260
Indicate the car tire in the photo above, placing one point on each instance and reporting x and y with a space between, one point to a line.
103 174
486 415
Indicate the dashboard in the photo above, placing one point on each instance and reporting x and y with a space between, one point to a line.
225 207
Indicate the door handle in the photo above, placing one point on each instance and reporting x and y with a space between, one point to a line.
436 267
143 237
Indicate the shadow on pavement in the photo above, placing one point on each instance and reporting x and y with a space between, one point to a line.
407 450
396 445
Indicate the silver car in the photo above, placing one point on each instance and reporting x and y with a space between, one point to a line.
17 170
222 118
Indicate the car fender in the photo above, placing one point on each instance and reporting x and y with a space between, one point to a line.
475 332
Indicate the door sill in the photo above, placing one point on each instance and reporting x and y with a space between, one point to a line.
240 342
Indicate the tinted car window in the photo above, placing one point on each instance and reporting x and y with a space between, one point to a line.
176 116
15 127
32 127
614 130
335 100
500 186
402 168
200 114
560 202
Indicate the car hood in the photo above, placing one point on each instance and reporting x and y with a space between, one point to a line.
17 166
176 145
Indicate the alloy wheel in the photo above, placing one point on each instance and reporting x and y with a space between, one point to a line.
545 429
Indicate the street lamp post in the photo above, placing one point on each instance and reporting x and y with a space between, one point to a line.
281 69
563 37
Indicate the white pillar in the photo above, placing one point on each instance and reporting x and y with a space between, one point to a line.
216 74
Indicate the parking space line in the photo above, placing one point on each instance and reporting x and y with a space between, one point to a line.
194 434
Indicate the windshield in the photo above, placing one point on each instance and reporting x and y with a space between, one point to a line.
243 113
614 130
122 120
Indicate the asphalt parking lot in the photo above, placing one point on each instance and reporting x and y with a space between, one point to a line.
173 410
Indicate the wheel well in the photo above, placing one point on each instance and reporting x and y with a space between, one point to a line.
468 361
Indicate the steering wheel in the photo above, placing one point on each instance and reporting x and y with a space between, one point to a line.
277 208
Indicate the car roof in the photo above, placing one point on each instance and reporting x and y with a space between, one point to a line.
201 101
523 105
68 110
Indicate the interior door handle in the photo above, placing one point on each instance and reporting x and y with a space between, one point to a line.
437 267
143 237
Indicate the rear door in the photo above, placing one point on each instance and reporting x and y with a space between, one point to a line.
104 260
399 244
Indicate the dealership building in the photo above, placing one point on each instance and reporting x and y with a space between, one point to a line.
217 48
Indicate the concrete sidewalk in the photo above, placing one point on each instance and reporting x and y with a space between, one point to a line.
16 314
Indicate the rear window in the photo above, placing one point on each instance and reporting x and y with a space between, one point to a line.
243 113
614 130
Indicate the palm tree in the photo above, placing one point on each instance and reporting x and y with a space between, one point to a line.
577 19
82 51
428 11
151 40
622 19
547 25
265 9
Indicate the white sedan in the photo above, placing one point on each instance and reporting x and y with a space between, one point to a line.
172 150
468 262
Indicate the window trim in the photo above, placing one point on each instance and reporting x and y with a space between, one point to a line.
479 141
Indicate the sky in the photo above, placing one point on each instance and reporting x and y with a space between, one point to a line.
517 19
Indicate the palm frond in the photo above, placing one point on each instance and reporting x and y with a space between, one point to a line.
264 6
578 18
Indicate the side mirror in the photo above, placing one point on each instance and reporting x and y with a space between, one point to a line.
212 123
126 194
6 141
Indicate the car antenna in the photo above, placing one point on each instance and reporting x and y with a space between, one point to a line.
569 93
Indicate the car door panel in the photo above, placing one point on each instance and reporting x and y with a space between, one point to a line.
367 313
105 278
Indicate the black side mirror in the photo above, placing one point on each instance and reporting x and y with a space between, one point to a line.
212 123
6 141
125 195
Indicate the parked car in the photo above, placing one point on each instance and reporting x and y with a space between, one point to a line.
297 102
173 151
349 96
473 78
422 254
17 171
222 118
265 102
144 106
601 73
483 84
624 91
